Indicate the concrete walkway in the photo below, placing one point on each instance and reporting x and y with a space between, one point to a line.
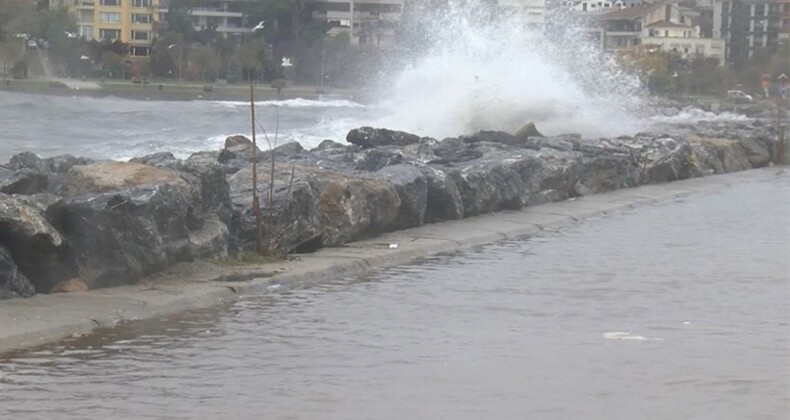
30 322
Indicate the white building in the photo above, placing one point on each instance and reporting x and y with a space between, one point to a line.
370 22
532 12
663 26
225 16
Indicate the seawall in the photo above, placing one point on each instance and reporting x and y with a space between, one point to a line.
42 319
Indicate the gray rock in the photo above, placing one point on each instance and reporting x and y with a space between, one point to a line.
12 282
527 131
35 246
27 160
372 160
23 181
367 137
452 150
160 160
412 187
443 198
666 159
126 220
316 208
491 137
62 163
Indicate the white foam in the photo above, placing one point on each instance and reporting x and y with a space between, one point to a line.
694 115
295 103
627 335
500 75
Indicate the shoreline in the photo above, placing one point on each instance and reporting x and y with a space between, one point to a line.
170 91
49 318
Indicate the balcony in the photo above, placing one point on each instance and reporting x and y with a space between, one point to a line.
84 4
214 12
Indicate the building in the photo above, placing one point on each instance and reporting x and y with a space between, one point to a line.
683 40
748 26
661 25
227 17
129 21
784 20
368 22
598 5
531 12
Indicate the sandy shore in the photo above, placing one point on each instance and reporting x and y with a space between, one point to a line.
26 323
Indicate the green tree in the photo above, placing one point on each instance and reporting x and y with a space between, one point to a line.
16 16
204 63
253 58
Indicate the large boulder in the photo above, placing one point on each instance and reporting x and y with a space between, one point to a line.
548 175
452 150
13 283
367 137
377 158
443 201
666 159
36 247
491 137
62 163
238 147
527 131
412 187
214 187
607 165
159 159
125 220
27 160
23 181
289 220
311 207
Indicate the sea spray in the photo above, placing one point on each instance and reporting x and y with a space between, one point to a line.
470 71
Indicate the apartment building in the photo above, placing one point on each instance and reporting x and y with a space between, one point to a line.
130 21
748 25
367 22
227 17
784 20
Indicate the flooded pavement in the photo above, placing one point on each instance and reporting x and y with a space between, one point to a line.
675 311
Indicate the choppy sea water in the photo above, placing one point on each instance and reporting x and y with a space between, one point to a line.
677 311
115 128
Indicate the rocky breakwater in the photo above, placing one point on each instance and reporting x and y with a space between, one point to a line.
68 221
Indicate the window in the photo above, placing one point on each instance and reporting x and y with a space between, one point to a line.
141 35
109 34
86 31
141 18
140 51
110 2
759 10
141 3
110 17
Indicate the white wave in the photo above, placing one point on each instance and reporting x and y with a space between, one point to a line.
627 335
295 103
500 75
693 115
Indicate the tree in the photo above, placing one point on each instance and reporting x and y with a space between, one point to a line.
178 19
204 63
253 57
16 16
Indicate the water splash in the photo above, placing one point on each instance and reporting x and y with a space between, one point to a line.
478 73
